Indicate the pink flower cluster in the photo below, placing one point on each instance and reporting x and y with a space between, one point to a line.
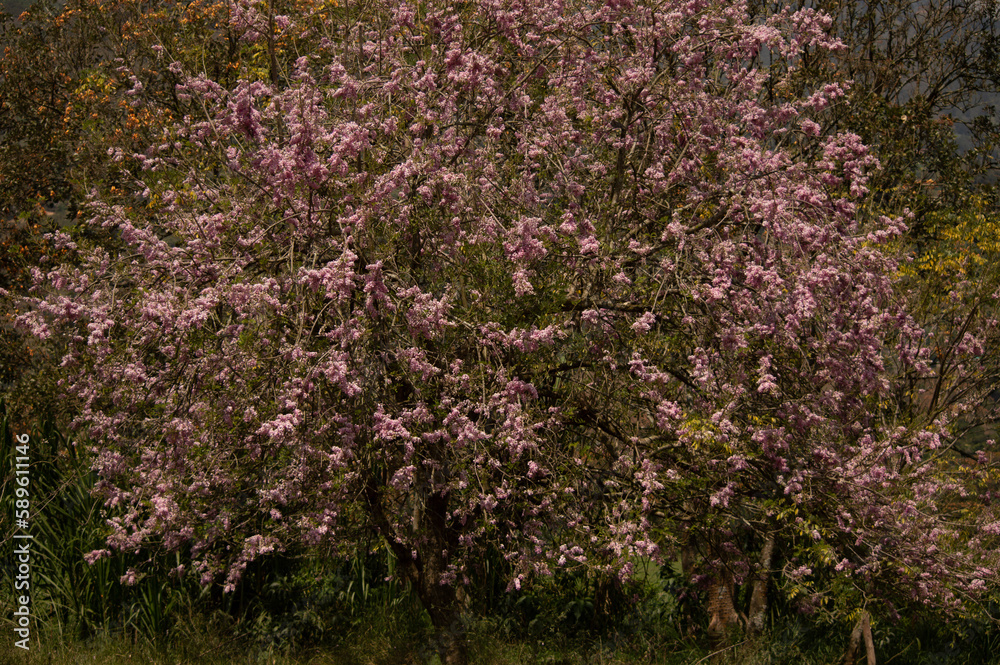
518 276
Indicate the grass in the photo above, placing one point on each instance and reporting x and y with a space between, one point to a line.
396 635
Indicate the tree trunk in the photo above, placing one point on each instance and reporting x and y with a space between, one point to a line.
441 601
758 598
272 58
426 567
721 609
862 628
449 627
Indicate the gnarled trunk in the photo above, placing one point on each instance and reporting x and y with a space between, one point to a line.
723 617
442 603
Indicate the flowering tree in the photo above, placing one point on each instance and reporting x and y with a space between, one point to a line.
558 279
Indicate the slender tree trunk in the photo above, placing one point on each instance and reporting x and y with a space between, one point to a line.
758 597
862 629
271 57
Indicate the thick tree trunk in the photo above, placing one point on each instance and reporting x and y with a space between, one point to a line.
723 617
426 569
441 597
449 628
443 605
442 602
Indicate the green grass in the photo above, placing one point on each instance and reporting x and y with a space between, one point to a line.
396 635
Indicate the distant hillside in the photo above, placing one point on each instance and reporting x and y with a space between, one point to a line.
15 7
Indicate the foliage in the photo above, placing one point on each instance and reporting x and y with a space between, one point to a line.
954 286
73 599
919 72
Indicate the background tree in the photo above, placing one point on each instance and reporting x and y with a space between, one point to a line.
919 72
82 83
